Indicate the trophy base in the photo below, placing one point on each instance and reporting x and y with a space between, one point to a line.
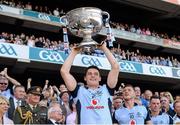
91 44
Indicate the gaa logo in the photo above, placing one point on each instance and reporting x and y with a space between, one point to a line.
44 17
126 66
94 102
91 61
7 49
157 70
50 56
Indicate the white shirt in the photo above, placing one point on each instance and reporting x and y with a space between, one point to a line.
176 119
15 102
53 121
7 121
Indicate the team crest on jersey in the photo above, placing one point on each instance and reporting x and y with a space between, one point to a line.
94 102
139 114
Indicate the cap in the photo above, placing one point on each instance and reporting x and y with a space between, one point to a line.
3 79
35 90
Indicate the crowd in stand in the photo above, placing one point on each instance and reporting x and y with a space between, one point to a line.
121 26
53 105
119 53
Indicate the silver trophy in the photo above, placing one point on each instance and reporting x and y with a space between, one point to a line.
85 22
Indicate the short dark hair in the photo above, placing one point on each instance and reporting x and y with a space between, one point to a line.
154 97
92 67
129 85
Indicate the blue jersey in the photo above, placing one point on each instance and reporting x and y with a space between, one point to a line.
93 106
162 118
176 119
136 115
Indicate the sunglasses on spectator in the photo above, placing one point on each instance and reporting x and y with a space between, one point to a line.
3 83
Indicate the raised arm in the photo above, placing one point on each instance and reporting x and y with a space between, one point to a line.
12 80
114 72
65 70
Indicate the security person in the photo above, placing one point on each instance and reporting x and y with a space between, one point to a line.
31 112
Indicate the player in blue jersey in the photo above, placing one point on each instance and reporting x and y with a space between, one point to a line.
156 115
176 118
93 101
131 113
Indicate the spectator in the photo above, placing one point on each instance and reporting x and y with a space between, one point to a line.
99 96
147 96
117 102
33 112
138 94
157 117
166 106
176 118
71 118
56 12
4 105
16 100
4 83
127 114
55 115
170 97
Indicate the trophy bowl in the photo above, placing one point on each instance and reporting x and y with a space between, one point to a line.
85 22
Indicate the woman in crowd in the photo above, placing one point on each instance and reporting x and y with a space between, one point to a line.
4 105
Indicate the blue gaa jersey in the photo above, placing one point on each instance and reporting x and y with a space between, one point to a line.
93 106
137 115
176 119
162 118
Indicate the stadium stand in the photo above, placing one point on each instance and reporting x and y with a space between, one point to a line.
146 47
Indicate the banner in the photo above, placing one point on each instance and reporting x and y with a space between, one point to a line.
9 9
45 55
156 70
176 72
86 60
42 16
103 63
131 67
14 51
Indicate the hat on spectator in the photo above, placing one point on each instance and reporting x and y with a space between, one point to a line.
37 90
3 79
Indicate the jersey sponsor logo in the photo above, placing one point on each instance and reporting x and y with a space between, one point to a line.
157 70
7 49
91 61
132 122
44 17
94 102
125 66
50 56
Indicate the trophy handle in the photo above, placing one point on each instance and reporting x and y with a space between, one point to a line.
64 20
108 16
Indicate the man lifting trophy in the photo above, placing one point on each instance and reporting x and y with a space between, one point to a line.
86 22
